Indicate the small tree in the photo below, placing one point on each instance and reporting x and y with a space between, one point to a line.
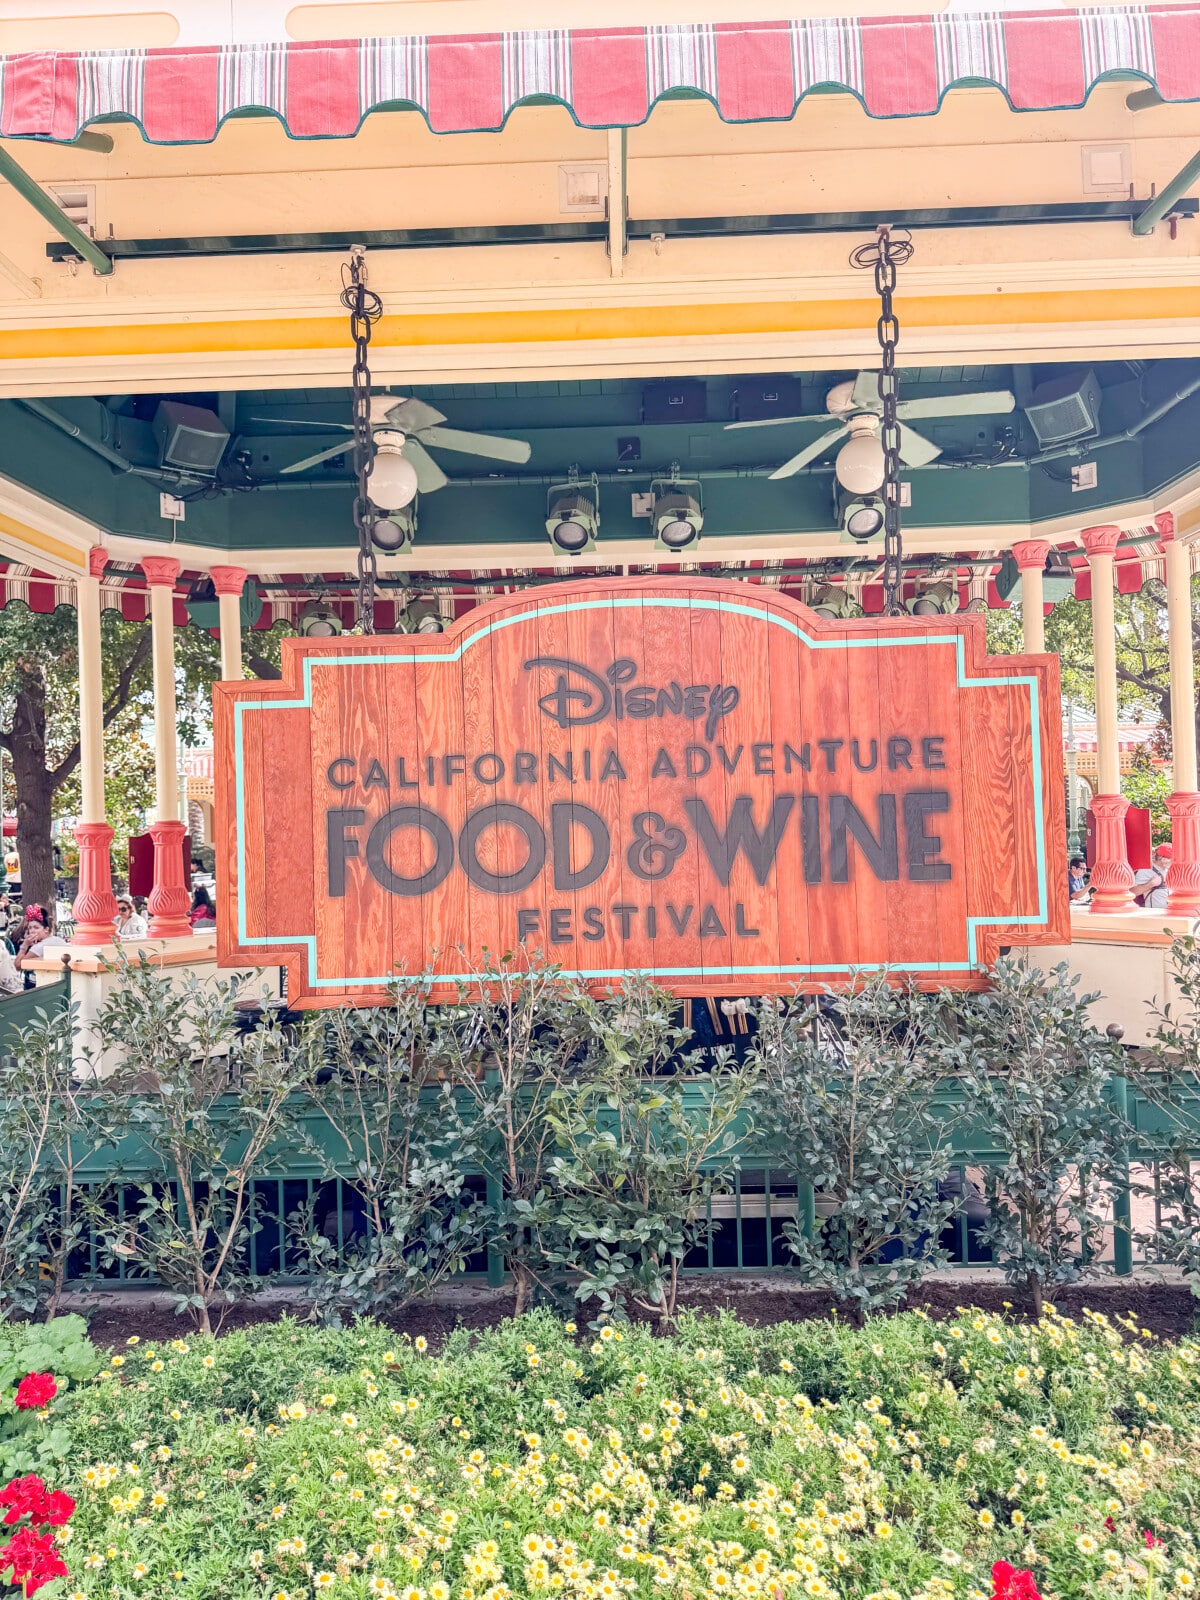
391 1132
209 1105
507 1052
638 1155
1038 1074
1174 1054
50 1124
847 1102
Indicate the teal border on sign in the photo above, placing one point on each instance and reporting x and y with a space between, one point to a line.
376 658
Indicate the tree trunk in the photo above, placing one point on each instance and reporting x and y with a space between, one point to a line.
35 792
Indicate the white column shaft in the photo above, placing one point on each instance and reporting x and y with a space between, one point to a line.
1033 620
1104 651
231 636
1183 669
91 700
166 757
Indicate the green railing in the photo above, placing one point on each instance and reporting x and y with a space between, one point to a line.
750 1217
19 1010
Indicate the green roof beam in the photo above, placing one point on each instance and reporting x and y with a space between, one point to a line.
54 214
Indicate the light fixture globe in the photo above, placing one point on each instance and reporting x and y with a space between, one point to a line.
570 537
864 520
678 534
859 464
393 481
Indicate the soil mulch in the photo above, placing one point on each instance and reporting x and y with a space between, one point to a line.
1170 1311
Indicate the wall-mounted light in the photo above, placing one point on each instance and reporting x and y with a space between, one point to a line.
573 515
676 512
936 599
318 620
833 601
861 518
397 531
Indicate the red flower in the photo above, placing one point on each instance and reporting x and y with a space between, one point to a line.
1110 1525
35 1391
24 1497
57 1509
1150 1539
33 1559
1011 1583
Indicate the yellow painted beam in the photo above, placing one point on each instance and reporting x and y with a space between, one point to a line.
1067 307
35 542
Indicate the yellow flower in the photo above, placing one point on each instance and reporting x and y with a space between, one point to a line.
883 1530
328 1400
986 1519
209 1361
421 1343
1086 1545
323 1580
133 1339
1184 1579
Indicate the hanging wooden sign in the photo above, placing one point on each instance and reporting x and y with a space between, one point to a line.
700 779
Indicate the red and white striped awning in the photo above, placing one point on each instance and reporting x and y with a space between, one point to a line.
606 77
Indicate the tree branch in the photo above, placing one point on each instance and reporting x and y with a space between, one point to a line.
117 701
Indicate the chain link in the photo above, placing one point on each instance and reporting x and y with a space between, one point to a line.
888 251
365 308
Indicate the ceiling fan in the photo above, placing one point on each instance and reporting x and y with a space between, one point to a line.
856 408
405 427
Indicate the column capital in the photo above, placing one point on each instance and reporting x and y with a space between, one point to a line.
96 561
161 571
1164 524
228 580
1102 540
1031 553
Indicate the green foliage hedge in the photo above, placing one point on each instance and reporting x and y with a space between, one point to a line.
900 1461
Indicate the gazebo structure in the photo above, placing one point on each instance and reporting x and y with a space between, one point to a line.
617 271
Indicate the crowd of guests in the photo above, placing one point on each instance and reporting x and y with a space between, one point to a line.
1150 884
27 933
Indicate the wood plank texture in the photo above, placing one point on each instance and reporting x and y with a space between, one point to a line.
688 776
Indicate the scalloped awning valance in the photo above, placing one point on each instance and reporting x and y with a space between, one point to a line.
606 77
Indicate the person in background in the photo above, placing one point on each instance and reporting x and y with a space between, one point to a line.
37 939
12 872
11 981
203 909
1077 879
129 924
1150 883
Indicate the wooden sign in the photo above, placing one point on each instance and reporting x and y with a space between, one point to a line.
699 779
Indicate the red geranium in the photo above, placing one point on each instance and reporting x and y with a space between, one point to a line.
1012 1583
33 1559
35 1391
24 1497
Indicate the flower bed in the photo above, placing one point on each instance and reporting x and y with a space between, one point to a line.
902 1460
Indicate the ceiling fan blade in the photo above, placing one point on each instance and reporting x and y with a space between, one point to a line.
990 402
866 392
777 422
429 475
312 461
478 444
410 416
809 453
299 422
915 449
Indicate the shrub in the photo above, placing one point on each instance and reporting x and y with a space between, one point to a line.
392 1132
809 1459
847 1104
210 1106
1166 1076
638 1155
50 1124
1039 1077
61 1349
506 1052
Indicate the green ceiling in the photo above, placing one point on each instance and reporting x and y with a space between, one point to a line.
983 476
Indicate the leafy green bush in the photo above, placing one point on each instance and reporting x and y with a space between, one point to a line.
28 1443
385 1125
847 1106
637 1157
798 1460
1038 1074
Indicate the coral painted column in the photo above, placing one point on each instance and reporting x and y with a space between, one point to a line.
1112 876
1030 556
95 906
229 583
168 902
1183 880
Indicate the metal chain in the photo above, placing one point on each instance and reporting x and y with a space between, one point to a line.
365 308
889 251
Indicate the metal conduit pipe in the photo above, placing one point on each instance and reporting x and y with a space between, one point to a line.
54 214
1158 208
114 458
